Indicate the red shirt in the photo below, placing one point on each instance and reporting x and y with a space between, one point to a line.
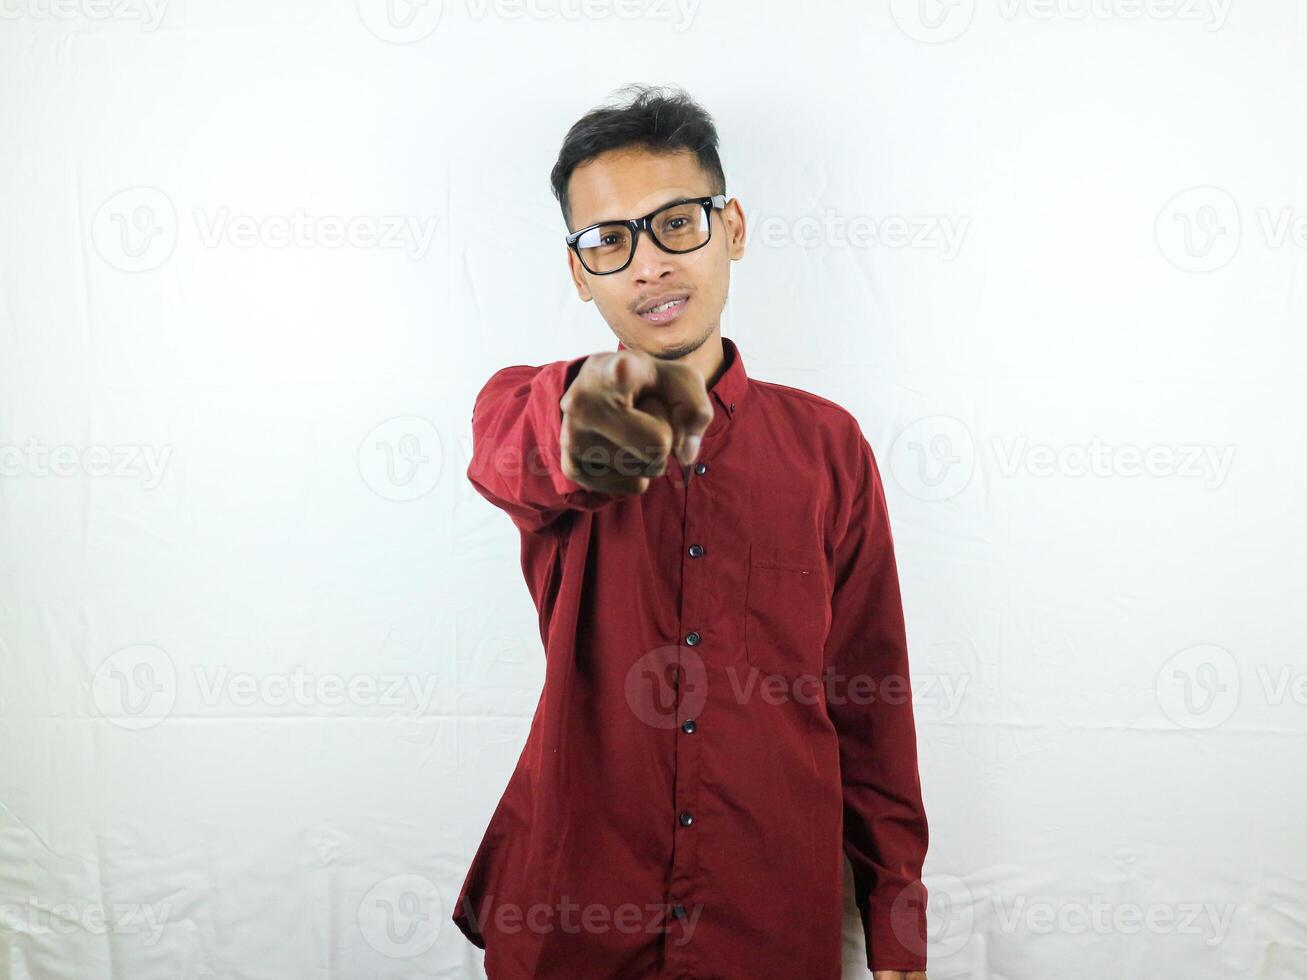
726 709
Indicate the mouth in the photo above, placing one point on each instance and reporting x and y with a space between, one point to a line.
666 312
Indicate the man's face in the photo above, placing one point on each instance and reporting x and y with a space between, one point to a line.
629 183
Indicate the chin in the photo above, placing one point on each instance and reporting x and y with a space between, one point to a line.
674 340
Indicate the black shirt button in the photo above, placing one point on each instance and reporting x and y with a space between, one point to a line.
700 469
688 726
678 911
686 818
696 550
692 638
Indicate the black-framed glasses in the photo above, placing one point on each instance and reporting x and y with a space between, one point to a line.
679 227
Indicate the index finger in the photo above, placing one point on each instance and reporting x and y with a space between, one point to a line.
683 391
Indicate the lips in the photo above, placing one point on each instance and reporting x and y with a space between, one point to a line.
665 309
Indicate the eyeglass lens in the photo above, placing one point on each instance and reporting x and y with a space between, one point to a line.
681 228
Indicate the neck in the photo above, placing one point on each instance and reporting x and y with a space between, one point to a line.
709 358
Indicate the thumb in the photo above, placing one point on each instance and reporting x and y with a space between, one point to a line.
689 423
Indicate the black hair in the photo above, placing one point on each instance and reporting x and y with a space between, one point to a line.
659 119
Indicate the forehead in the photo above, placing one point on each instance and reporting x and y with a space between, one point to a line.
632 181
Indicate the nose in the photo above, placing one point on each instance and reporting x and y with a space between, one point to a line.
650 262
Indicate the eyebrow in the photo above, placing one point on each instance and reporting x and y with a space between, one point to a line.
670 200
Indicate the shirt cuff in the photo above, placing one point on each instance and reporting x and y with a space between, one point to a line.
547 419
896 932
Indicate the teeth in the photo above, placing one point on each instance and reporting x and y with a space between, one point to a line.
666 306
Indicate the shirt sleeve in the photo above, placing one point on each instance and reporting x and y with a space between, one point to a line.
870 704
516 464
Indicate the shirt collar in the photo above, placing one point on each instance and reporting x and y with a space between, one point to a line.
732 384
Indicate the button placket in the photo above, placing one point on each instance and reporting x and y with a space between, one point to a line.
684 888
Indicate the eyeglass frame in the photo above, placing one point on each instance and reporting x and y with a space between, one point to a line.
713 202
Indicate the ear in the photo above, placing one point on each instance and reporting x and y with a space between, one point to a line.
578 273
733 218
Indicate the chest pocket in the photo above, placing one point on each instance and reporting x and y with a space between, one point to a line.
787 610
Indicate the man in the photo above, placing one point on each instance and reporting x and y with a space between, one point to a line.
726 709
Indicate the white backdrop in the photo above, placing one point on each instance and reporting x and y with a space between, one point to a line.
266 659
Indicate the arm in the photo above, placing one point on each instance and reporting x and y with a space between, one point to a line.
885 829
516 424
